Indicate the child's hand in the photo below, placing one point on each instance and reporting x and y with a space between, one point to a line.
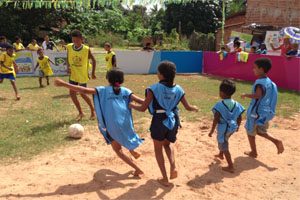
58 82
243 96
94 76
210 133
195 108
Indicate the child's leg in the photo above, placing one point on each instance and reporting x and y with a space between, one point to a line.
253 152
158 145
277 142
135 154
89 102
118 149
47 78
170 154
13 83
40 81
1 80
229 168
77 104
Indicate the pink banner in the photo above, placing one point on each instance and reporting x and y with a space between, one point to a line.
285 72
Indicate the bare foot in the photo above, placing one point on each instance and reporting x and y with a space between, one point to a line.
79 117
250 154
138 173
41 86
220 156
280 148
93 116
228 169
164 182
18 98
173 174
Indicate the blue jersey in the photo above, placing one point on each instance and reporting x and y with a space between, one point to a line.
228 121
262 110
168 99
115 117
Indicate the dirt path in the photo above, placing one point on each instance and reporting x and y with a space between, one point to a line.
90 170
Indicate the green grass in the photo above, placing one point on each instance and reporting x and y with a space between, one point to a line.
39 122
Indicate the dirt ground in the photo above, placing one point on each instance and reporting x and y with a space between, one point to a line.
89 169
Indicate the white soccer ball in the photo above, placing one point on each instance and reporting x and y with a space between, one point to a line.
75 131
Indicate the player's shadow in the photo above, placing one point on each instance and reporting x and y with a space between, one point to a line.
103 179
31 88
216 175
48 127
62 96
2 99
146 191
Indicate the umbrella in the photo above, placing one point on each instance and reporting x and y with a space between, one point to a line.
292 32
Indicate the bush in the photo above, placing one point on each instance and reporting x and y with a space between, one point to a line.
201 41
116 40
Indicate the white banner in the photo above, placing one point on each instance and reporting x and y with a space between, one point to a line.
26 61
273 37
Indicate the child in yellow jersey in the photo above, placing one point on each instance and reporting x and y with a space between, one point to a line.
110 57
78 56
45 70
7 68
33 46
18 46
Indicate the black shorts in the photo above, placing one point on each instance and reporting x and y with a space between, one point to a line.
159 131
76 83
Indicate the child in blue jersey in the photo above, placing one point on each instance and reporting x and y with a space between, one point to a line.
162 99
114 116
262 106
227 118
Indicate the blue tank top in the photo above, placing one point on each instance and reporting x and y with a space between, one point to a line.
166 98
228 121
262 110
115 117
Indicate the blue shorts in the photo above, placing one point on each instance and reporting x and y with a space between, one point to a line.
9 76
76 83
160 132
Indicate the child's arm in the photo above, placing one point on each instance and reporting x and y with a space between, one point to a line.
114 61
257 95
91 56
144 105
217 117
51 62
2 64
60 83
239 121
37 64
187 106
136 99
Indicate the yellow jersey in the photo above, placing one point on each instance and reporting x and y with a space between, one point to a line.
33 47
79 63
8 61
44 65
108 59
18 46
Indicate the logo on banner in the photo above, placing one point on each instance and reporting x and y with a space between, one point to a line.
24 62
60 61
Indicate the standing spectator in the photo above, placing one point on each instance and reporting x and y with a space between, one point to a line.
18 46
3 43
47 44
110 57
285 47
230 45
294 51
33 46
148 47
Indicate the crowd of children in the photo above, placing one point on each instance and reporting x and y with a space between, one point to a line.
113 104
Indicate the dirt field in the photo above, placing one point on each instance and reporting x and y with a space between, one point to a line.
90 170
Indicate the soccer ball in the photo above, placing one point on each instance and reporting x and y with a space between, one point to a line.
75 131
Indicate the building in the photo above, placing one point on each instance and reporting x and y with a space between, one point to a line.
270 14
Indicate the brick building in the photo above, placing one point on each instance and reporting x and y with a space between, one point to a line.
273 13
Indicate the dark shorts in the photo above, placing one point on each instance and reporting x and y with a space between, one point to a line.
9 76
76 83
160 132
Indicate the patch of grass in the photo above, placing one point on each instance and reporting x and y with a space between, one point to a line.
39 122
